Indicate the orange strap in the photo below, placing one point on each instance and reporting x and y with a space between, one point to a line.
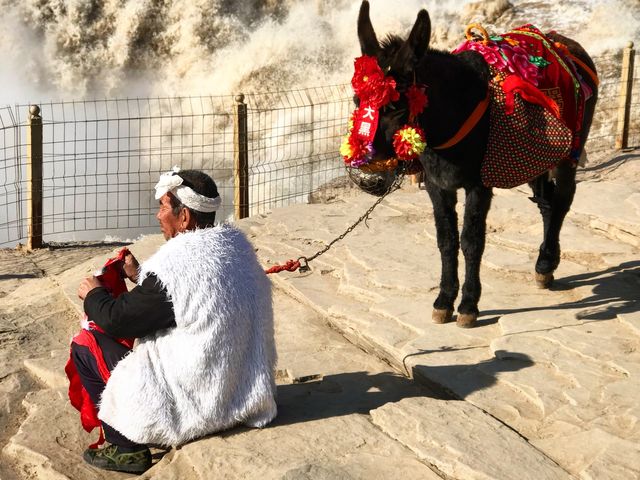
468 125
565 50
585 68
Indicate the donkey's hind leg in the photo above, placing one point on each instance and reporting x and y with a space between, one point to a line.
444 211
554 200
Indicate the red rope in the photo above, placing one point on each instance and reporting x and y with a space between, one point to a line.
290 266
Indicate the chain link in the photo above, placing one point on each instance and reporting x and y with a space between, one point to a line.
397 183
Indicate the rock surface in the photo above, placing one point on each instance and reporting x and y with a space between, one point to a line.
473 446
560 366
545 387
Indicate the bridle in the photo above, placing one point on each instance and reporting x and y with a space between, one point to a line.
376 89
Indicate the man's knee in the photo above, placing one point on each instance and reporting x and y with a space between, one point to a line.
87 369
83 360
112 350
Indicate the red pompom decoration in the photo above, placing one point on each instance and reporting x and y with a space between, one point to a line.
358 151
409 142
418 101
370 84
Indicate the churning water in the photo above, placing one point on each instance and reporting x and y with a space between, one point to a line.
72 49
86 49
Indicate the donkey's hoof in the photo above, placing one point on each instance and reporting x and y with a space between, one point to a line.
544 280
441 315
466 320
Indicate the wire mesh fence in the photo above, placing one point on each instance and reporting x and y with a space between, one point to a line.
605 126
11 174
101 158
293 148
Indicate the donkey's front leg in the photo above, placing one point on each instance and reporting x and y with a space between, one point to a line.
478 201
444 211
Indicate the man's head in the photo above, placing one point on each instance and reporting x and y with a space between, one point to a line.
188 200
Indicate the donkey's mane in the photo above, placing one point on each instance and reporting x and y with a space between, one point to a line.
391 43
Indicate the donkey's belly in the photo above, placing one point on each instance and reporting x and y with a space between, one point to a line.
449 175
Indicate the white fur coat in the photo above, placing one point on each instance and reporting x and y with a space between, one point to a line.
216 368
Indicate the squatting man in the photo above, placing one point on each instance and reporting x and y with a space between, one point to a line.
201 311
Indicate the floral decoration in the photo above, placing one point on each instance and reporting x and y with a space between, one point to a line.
409 142
520 65
370 84
375 90
355 150
508 55
417 99
490 51
539 62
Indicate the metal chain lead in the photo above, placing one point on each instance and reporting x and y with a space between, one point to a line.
304 267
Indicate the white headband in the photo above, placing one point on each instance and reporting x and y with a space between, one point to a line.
170 182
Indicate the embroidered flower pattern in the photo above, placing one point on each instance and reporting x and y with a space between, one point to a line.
508 55
491 53
520 64
539 61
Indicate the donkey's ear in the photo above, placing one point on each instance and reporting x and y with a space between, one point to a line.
416 45
420 34
368 41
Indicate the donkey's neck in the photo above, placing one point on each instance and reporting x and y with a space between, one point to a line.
455 86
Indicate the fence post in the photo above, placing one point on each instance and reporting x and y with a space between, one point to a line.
312 121
624 101
241 160
34 178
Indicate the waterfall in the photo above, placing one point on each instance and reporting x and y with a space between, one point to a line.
76 49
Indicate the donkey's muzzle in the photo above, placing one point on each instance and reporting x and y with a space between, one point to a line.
374 183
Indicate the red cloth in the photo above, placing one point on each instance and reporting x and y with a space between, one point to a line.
524 142
528 92
558 80
528 54
537 106
112 280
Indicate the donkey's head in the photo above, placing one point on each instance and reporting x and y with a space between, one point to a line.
397 59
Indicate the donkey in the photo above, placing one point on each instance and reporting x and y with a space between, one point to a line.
455 84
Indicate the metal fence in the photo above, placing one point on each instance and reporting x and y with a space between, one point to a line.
100 159
611 130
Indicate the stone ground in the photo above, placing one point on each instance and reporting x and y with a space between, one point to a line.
545 387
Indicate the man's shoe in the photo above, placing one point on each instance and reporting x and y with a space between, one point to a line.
112 458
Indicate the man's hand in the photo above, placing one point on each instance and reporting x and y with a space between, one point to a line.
87 285
131 267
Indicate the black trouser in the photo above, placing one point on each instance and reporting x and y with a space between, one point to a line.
87 368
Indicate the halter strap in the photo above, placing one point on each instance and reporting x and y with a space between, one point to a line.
468 125
585 68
